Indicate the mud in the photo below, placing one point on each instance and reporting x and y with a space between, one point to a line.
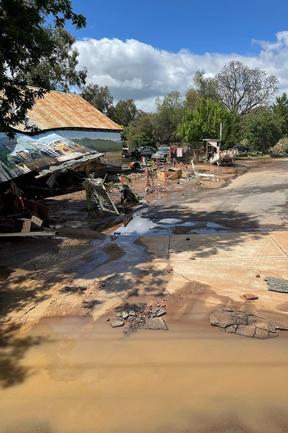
86 377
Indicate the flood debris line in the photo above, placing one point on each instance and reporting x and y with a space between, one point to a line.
277 284
245 324
140 316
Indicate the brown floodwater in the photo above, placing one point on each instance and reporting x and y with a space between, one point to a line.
85 377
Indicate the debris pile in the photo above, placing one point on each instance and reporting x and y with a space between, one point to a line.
245 324
140 316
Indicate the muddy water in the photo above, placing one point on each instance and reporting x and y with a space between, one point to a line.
90 378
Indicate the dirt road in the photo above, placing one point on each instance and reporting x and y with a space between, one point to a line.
69 371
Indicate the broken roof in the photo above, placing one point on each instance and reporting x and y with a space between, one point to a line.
60 110
24 154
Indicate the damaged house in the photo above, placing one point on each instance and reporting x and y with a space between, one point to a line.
68 139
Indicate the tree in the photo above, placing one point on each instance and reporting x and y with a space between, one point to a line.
59 71
24 41
280 110
124 112
99 97
193 98
262 129
169 113
205 86
141 131
241 88
204 122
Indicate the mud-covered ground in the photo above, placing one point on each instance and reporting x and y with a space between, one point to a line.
194 249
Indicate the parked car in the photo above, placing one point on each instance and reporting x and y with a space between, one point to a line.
242 149
146 151
161 154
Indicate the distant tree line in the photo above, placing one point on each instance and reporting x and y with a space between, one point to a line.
239 97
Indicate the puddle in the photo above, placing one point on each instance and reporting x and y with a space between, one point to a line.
142 225
88 378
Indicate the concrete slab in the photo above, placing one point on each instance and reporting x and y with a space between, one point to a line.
281 239
156 246
225 245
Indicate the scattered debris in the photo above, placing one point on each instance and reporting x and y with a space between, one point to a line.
245 324
141 316
277 284
97 193
249 297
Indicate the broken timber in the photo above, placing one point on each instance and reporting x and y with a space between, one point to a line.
97 193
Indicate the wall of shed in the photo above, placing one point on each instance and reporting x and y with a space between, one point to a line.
108 143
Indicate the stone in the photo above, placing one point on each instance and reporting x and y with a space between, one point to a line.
125 315
132 313
249 297
117 323
155 324
246 330
258 276
277 284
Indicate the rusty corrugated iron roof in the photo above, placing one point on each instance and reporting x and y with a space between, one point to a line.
58 110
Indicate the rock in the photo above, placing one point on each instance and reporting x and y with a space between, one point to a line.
246 330
245 324
249 297
155 323
132 313
119 315
117 323
277 284
258 276
108 320
125 315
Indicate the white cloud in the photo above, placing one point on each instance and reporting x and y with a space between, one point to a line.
132 69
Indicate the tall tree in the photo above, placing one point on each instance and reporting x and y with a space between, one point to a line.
59 71
141 131
204 122
261 129
241 88
124 112
280 110
169 113
24 41
205 86
99 97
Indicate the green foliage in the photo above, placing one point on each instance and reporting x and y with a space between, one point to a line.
205 86
140 132
24 42
193 99
280 110
59 71
261 128
99 97
124 112
169 113
204 122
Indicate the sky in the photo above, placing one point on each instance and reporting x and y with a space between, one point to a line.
145 49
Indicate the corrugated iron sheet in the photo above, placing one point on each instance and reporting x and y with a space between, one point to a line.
67 110
24 154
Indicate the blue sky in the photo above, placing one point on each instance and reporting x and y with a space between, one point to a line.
200 26
147 49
